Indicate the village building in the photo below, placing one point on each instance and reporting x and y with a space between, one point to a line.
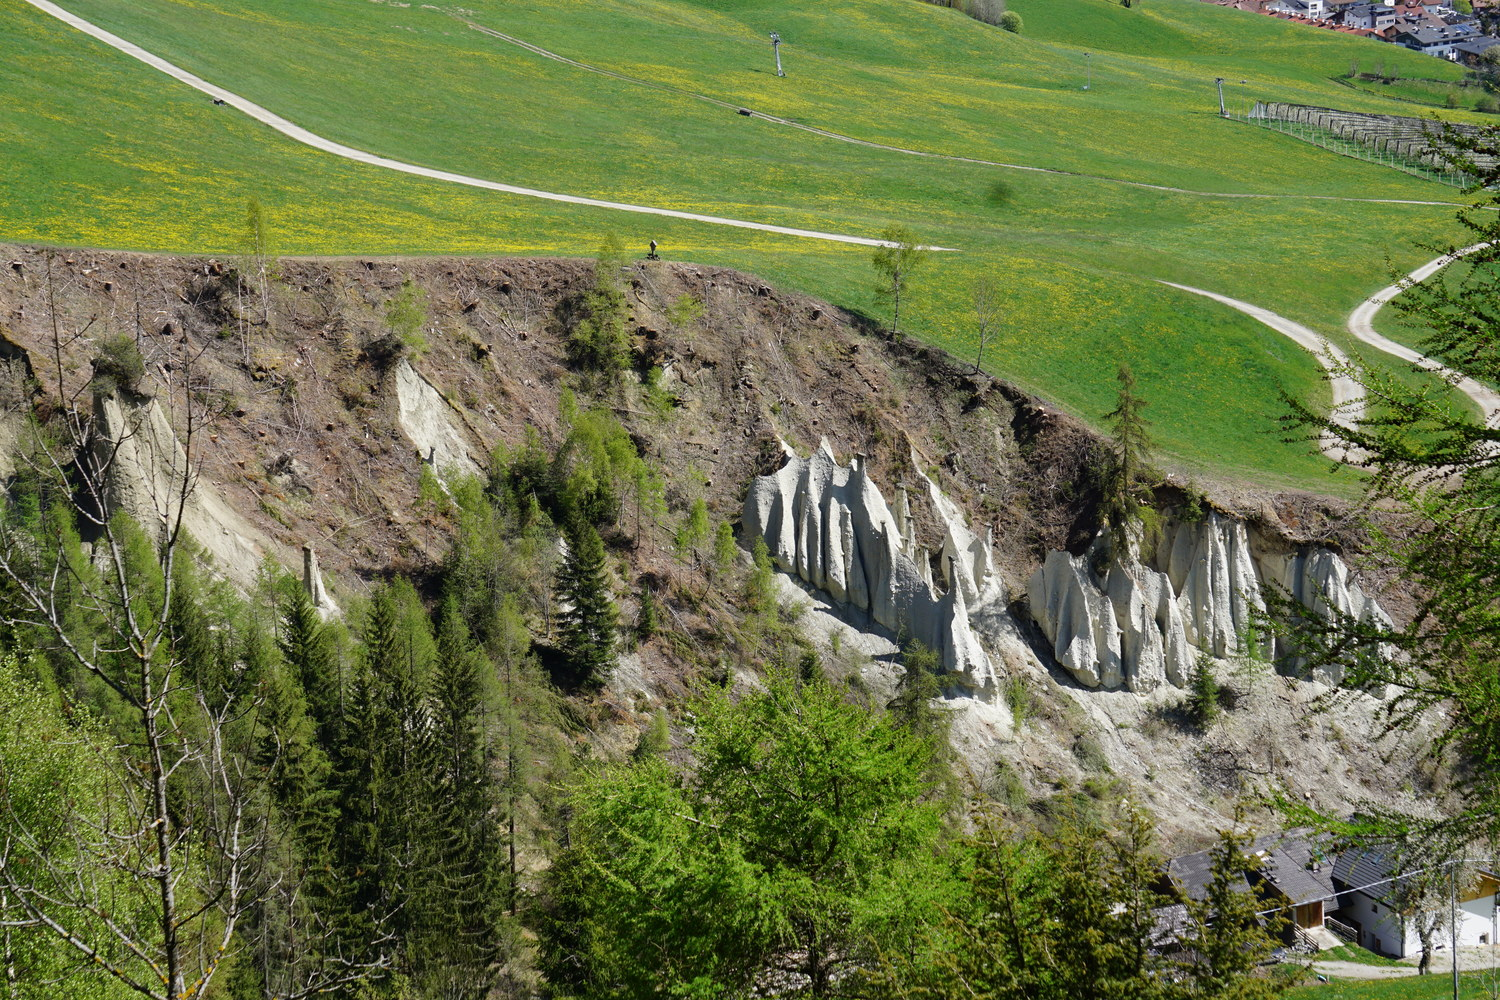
1470 51
1328 897
1436 41
1368 16
1370 904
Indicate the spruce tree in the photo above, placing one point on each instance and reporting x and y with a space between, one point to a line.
308 648
588 618
385 760
1232 937
459 936
1203 692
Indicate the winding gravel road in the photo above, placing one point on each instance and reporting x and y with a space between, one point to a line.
1348 397
1362 326
302 135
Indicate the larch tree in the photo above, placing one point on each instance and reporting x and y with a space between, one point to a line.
895 261
1130 463
1432 474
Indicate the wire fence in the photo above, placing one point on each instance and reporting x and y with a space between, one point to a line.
1334 143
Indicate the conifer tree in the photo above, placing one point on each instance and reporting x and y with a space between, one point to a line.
917 687
527 726
1203 692
694 532
301 896
1432 472
1232 938
1130 465
308 649
589 617
459 935
725 550
656 738
385 758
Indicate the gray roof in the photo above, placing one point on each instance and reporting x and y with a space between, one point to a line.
1286 860
1477 46
1437 36
1170 925
1191 873
1290 873
1356 868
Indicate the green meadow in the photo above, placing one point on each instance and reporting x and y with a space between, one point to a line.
99 150
1439 986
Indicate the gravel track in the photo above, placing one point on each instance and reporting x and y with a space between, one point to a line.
1362 326
302 135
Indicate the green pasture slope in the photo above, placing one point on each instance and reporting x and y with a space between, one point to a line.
98 150
1438 986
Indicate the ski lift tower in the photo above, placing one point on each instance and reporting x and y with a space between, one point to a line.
776 47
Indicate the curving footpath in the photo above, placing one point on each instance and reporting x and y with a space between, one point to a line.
1362 326
1348 395
305 137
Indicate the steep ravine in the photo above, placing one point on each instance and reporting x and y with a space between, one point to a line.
904 495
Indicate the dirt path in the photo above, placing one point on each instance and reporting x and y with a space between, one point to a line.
841 137
302 135
1348 395
1359 970
1362 326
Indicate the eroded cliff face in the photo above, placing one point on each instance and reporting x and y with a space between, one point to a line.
831 526
146 472
1141 622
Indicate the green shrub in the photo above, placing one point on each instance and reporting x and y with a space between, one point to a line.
406 316
1011 21
1020 699
599 343
118 364
1090 754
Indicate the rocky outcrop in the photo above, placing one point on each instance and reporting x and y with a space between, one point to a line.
312 584
1142 621
425 416
145 472
831 526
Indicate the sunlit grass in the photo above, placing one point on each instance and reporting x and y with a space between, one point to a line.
101 151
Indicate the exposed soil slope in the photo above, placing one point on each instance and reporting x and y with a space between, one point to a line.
310 448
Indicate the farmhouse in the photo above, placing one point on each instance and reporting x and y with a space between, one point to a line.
1355 894
1290 870
1370 904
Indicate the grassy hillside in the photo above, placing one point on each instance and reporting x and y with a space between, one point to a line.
1472 986
99 150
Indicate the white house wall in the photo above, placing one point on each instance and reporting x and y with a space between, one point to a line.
1477 921
1382 930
